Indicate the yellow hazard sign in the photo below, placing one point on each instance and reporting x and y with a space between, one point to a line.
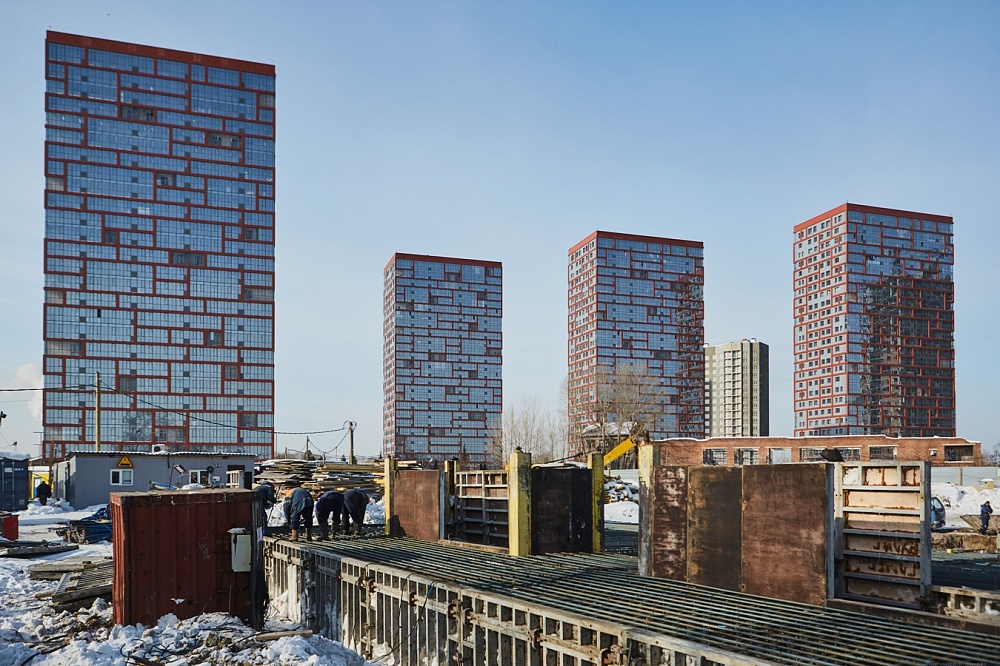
125 462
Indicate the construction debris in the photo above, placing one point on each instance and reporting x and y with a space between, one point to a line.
34 548
79 589
55 570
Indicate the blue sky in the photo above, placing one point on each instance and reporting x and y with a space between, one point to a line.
510 131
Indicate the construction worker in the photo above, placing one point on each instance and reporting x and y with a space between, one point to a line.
299 510
266 492
43 492
985 511
329 504
355 504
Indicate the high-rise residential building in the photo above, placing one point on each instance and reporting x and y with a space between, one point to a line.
736 389
159 250
442 356
636 333
874 323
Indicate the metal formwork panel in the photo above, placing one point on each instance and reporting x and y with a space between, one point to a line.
413 603
883 532
482 500
418 509
562 519
663 536
787 515
714 526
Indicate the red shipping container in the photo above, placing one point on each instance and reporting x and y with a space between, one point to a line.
10 527
173 554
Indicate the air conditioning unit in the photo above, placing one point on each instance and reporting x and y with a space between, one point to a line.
158 448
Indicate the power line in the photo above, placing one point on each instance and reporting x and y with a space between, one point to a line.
188 415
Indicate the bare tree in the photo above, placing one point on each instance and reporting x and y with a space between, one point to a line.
626 400
528 426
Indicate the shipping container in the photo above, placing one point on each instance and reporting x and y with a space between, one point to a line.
14 490
186 553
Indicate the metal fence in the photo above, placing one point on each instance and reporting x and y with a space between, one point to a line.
413 603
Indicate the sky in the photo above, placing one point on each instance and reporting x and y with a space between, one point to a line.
510 131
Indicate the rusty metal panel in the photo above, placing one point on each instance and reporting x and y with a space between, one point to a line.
172 554
714 530
417 504
561 517
663 528
786 511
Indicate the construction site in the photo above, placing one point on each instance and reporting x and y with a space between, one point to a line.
812 563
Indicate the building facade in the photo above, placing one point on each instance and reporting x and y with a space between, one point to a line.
729 451
442 356
159 250
89 478
636 333
874 319
737 389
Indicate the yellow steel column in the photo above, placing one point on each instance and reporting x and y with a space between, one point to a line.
649 459
596 465
389 499
519 507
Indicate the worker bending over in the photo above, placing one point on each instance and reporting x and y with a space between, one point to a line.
355 504
329 504
299 511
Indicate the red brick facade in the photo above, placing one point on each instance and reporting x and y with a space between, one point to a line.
728 451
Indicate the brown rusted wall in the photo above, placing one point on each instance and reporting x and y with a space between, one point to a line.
785 510
663 536
561 516
714 537
173 554
685 451
416 504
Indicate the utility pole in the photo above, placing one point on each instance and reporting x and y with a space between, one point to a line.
307 447
97 411
350 428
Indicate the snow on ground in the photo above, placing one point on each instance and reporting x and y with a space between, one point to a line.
964 500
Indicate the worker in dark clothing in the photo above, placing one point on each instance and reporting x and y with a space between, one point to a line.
266 492
329 504
984 516
355 503
43 492
299 511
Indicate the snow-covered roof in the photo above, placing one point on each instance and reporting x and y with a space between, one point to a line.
15 455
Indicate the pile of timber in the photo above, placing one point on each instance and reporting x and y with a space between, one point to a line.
332 476
33 548
287 472
318 476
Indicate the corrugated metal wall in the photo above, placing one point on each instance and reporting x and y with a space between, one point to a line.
172 554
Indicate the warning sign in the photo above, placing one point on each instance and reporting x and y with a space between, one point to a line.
125 462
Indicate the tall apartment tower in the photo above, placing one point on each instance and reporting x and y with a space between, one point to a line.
636 316
159 250
874 323
441 359
736 389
